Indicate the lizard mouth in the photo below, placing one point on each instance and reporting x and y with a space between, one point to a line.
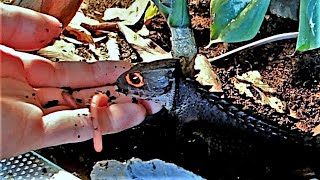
136 93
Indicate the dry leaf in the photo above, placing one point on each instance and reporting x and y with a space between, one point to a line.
64 10
294 114
101 27
302 126
113 47
95 40
151 12
242 87
316 130
272 101
143 31
255 78
71 40
60 50
146 48
77 31
79 35
80 18
101 54
128 16
207 76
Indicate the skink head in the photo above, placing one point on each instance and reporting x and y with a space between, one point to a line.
153 81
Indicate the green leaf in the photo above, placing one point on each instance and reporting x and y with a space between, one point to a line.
309 25
151 12
162 8
236 20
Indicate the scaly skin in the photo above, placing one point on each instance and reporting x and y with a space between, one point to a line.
227 127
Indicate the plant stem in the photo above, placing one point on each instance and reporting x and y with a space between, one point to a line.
179 22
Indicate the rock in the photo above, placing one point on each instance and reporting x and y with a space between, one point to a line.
138 169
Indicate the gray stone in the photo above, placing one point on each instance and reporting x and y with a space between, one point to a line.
138 169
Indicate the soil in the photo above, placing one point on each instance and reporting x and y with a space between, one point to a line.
295 76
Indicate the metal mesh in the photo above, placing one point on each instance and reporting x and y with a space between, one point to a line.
28 166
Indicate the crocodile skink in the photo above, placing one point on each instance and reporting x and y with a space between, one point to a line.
163 81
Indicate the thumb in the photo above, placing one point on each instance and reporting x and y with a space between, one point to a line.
25 29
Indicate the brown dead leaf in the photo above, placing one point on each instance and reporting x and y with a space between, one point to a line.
64 10
79 35
272 101
255 78
75 30
80 18
113 47
101 54
302 126
146 48
143 31
294 114
128 16
60 51
207 76
316 130
242 87
105 26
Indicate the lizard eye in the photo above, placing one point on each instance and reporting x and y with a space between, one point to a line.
135 79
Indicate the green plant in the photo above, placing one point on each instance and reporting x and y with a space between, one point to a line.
178 19
236 21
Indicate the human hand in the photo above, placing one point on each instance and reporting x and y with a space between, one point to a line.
34 111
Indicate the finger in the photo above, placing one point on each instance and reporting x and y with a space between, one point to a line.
82 97
71 126
55 109
118 117
25 29
53 96
10 64
151 107
66 126
44 73
41 72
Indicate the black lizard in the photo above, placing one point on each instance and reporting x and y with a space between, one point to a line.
228 128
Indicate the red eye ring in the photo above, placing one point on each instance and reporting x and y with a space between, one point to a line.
131 79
